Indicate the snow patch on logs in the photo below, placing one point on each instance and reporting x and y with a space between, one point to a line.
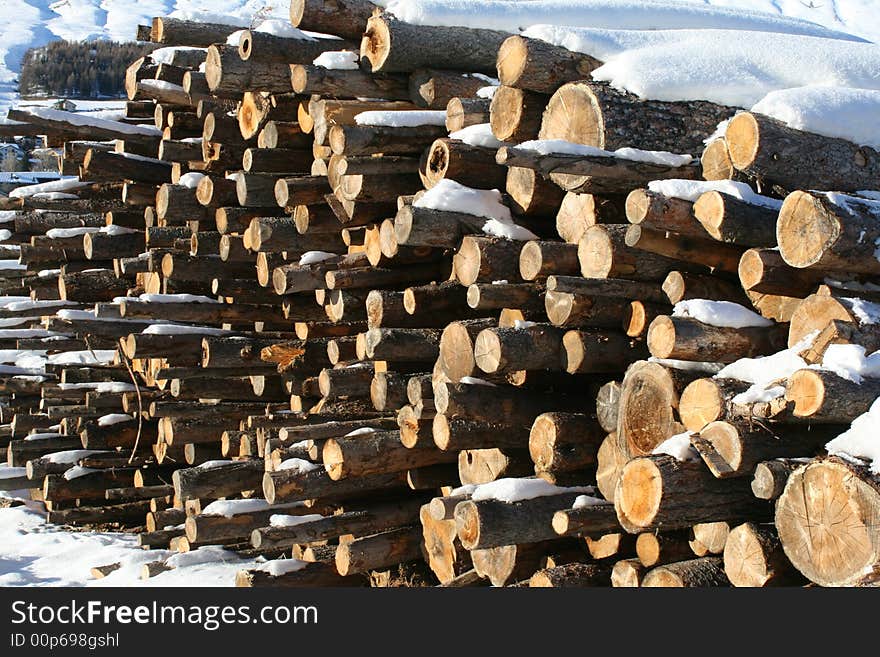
401 119
861 440
849 361
279 567
514 490
852 114
691 190
562 147
191 179
451 196
719 313
96 357
61 185
678 447
113 418
299 466
181 329
78 471
339 60
166 55
279 520
479 134
230 508
8 472
311 257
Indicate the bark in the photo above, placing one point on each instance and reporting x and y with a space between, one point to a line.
539 66
708 571
684 338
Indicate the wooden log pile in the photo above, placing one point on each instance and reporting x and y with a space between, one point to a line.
288 313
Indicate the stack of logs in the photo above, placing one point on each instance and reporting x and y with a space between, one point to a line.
255 318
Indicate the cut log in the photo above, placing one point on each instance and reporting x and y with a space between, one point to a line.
379 550
832 544
472 166
515 114
770 476
464 112
684 338
572 575
390 45
823 396
695 573
771 151
753 557
659 492
379 452
343 17
728 219
510 349
540 66
493 523
815 232
604 253
434 89
596 114
442 550
716 256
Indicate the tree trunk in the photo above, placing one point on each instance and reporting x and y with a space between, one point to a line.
346 18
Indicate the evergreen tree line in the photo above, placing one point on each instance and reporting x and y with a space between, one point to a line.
84 69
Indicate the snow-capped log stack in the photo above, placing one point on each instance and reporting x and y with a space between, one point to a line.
373 313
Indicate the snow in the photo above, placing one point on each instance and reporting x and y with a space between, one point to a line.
113 418
299 466
451 196
279 567
360 432
182 329
63 233
229 508
7 472
61 185
523 324
78 471
861 440
166 55
764 370
83 120
678 447
487 92
401 119
279 520
849 361
479 134
758 393
343 60
32 304
508 230
53 196
71 455
7 215
691 190
584 501
867 312
514 490
739 68
91 357
843 112
511 16
689 365
99 386
11 265
311 257
191 179
562 147
174 298
719 313
475 381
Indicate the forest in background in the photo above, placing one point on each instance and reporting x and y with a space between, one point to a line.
78 69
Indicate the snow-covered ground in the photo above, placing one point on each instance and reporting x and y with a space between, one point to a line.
34 553
32 23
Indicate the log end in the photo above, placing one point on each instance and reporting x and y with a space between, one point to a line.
638 495
805 229
807 390
743 138
661 337
701 403
467 524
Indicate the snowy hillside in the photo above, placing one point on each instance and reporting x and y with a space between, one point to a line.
31 23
